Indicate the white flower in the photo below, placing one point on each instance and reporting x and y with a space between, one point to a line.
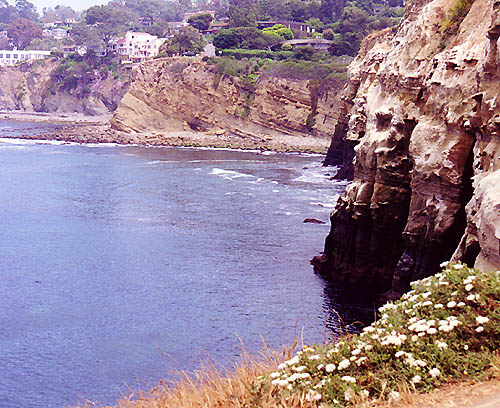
283 383
444 264
400 353
344 364
416 379
434 372
482 319
360 360
471 298
458 266
432 330
480 329
355 352
314 357
394 395
348 378
451 304
313 396
368 347
364 393
438 306
460 304
330 368
275 375
299 368
469 287
441 344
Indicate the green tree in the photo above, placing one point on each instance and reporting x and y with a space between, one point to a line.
304 53
328 34
186 41
242 13
87 37
109 21
280 30
27 10
23 31
200 21
8 13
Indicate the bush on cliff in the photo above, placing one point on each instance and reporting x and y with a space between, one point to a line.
446 328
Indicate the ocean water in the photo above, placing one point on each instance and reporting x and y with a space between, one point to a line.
122 264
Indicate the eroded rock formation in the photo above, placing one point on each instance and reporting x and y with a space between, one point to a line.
423 114
175 95
30 87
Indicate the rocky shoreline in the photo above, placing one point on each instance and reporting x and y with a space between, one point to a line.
85 129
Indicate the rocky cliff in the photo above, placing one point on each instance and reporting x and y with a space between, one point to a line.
422 121
174 96
30 87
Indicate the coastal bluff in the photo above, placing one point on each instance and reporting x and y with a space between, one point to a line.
41 87
184 95
420 137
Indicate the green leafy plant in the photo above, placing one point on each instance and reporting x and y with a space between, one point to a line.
446 328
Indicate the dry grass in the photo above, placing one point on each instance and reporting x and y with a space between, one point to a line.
213 387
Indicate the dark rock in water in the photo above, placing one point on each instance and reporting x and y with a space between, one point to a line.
419 176
313 221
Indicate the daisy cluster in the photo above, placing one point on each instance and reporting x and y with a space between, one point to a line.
446 327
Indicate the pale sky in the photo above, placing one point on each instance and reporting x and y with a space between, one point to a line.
74 4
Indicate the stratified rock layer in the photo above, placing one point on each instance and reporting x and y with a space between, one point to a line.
188 95
423 112
30 87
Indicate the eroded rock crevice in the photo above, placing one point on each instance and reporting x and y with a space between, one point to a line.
424 120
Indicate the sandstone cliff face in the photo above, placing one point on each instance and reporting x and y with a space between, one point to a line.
173 96
29 87
423 124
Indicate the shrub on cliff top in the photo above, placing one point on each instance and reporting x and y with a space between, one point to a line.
446 328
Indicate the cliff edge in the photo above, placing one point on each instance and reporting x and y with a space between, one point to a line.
421 139
186 95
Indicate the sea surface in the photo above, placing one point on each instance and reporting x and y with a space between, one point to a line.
122 264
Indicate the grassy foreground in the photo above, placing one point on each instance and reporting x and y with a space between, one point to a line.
445 330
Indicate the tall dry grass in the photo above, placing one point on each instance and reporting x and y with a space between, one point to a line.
216 387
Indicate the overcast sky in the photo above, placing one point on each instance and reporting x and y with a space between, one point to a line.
74 4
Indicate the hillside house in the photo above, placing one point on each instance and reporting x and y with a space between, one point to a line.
319 44
8 57
137 47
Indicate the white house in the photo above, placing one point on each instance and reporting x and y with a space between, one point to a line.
138 47
13 57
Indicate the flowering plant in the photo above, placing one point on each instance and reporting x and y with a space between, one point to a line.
447 327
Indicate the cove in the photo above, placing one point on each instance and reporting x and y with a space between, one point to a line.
122 264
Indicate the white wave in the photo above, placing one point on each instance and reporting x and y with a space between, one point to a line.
256 181
324 205
154 162
25 142
228 174
317 175
107 144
